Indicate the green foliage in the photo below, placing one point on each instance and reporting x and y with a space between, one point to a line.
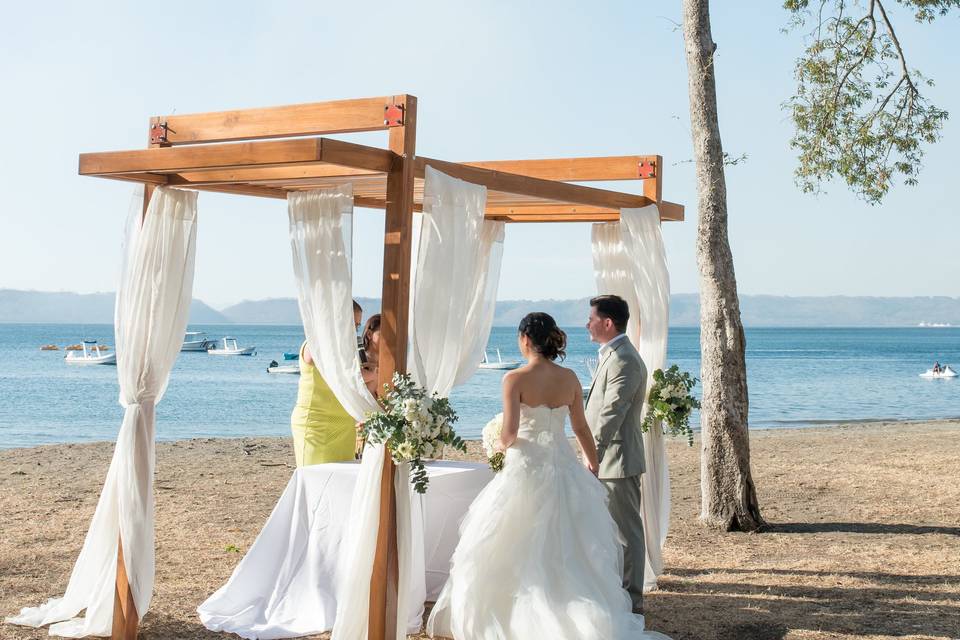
232 548
496 462
413 425
858 112
670 402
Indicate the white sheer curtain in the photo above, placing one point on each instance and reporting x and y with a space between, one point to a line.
455 279
454 284
152 309
321 236
321 241
629 261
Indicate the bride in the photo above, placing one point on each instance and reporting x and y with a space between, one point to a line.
539 555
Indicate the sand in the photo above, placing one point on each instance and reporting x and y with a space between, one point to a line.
864 539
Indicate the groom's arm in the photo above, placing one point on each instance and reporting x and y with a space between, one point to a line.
619 394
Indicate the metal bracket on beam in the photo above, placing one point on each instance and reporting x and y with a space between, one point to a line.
393 115
647 169
158 133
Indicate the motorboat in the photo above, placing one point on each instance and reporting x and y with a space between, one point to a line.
499 363
276 367
945 372
291 355
91 353
229 347
196 341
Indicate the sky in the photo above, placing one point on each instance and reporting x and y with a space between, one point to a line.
494 80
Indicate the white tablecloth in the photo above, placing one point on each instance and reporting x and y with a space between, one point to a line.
286 584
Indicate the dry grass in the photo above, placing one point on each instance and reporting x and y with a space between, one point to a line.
864 542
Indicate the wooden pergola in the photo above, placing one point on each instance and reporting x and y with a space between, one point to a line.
274 151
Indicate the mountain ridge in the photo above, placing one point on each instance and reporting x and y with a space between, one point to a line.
756 310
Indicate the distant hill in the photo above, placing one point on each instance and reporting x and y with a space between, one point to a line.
79 308
757 311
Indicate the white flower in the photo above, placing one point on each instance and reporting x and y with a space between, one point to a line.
491 434
406 451
445 430
426 403
427 449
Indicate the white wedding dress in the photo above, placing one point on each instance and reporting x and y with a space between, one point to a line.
539 555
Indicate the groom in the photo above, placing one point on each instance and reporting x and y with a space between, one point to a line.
613 413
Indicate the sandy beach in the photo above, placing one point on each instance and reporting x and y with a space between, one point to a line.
864 539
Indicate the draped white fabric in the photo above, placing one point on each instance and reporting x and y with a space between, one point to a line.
454 284
454 290
152 310
629 261
321 239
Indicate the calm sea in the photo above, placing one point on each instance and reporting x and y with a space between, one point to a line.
797 377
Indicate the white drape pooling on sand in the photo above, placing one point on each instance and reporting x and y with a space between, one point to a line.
454 290
152 310
629 260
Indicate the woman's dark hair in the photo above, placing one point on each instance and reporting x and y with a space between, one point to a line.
546 337
372 326
613 307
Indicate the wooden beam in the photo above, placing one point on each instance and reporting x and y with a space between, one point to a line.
398 231
239 156
592 169
214 156
536 187
558 217
359 156
671 211
268 174
312 119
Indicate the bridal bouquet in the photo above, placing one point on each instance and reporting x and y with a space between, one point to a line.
413 425
671 402
491 435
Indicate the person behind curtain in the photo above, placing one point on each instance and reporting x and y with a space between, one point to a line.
322 429
370 342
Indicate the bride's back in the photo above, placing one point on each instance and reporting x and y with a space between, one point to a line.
545 383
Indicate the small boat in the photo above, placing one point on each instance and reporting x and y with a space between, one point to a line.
945 372
196 341
276 367
487 363
230 348
291 355
90 353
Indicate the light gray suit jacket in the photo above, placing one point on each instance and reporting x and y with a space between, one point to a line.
613 411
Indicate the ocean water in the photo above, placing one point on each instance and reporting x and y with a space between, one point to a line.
797 377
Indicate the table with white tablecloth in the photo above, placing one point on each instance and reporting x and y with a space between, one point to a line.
286 585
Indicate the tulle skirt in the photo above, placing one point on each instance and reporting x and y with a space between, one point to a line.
539 556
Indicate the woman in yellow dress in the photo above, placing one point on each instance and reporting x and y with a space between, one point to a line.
322 429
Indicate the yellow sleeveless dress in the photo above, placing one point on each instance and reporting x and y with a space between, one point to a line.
322 429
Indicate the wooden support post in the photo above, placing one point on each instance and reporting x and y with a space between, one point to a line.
653 187
125 618
398 227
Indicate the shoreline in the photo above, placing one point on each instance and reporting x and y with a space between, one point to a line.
864 521
826 425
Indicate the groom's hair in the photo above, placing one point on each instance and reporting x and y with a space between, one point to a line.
613 307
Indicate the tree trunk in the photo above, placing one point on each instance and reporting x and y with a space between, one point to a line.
728 498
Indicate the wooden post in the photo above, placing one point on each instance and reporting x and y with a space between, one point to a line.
126 621
398 227
653 187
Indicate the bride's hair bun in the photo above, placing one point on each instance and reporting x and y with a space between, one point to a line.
547 338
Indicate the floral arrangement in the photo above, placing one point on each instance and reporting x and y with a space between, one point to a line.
413 425
491 435
671 402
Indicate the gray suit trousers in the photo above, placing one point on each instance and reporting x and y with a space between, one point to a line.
624 506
